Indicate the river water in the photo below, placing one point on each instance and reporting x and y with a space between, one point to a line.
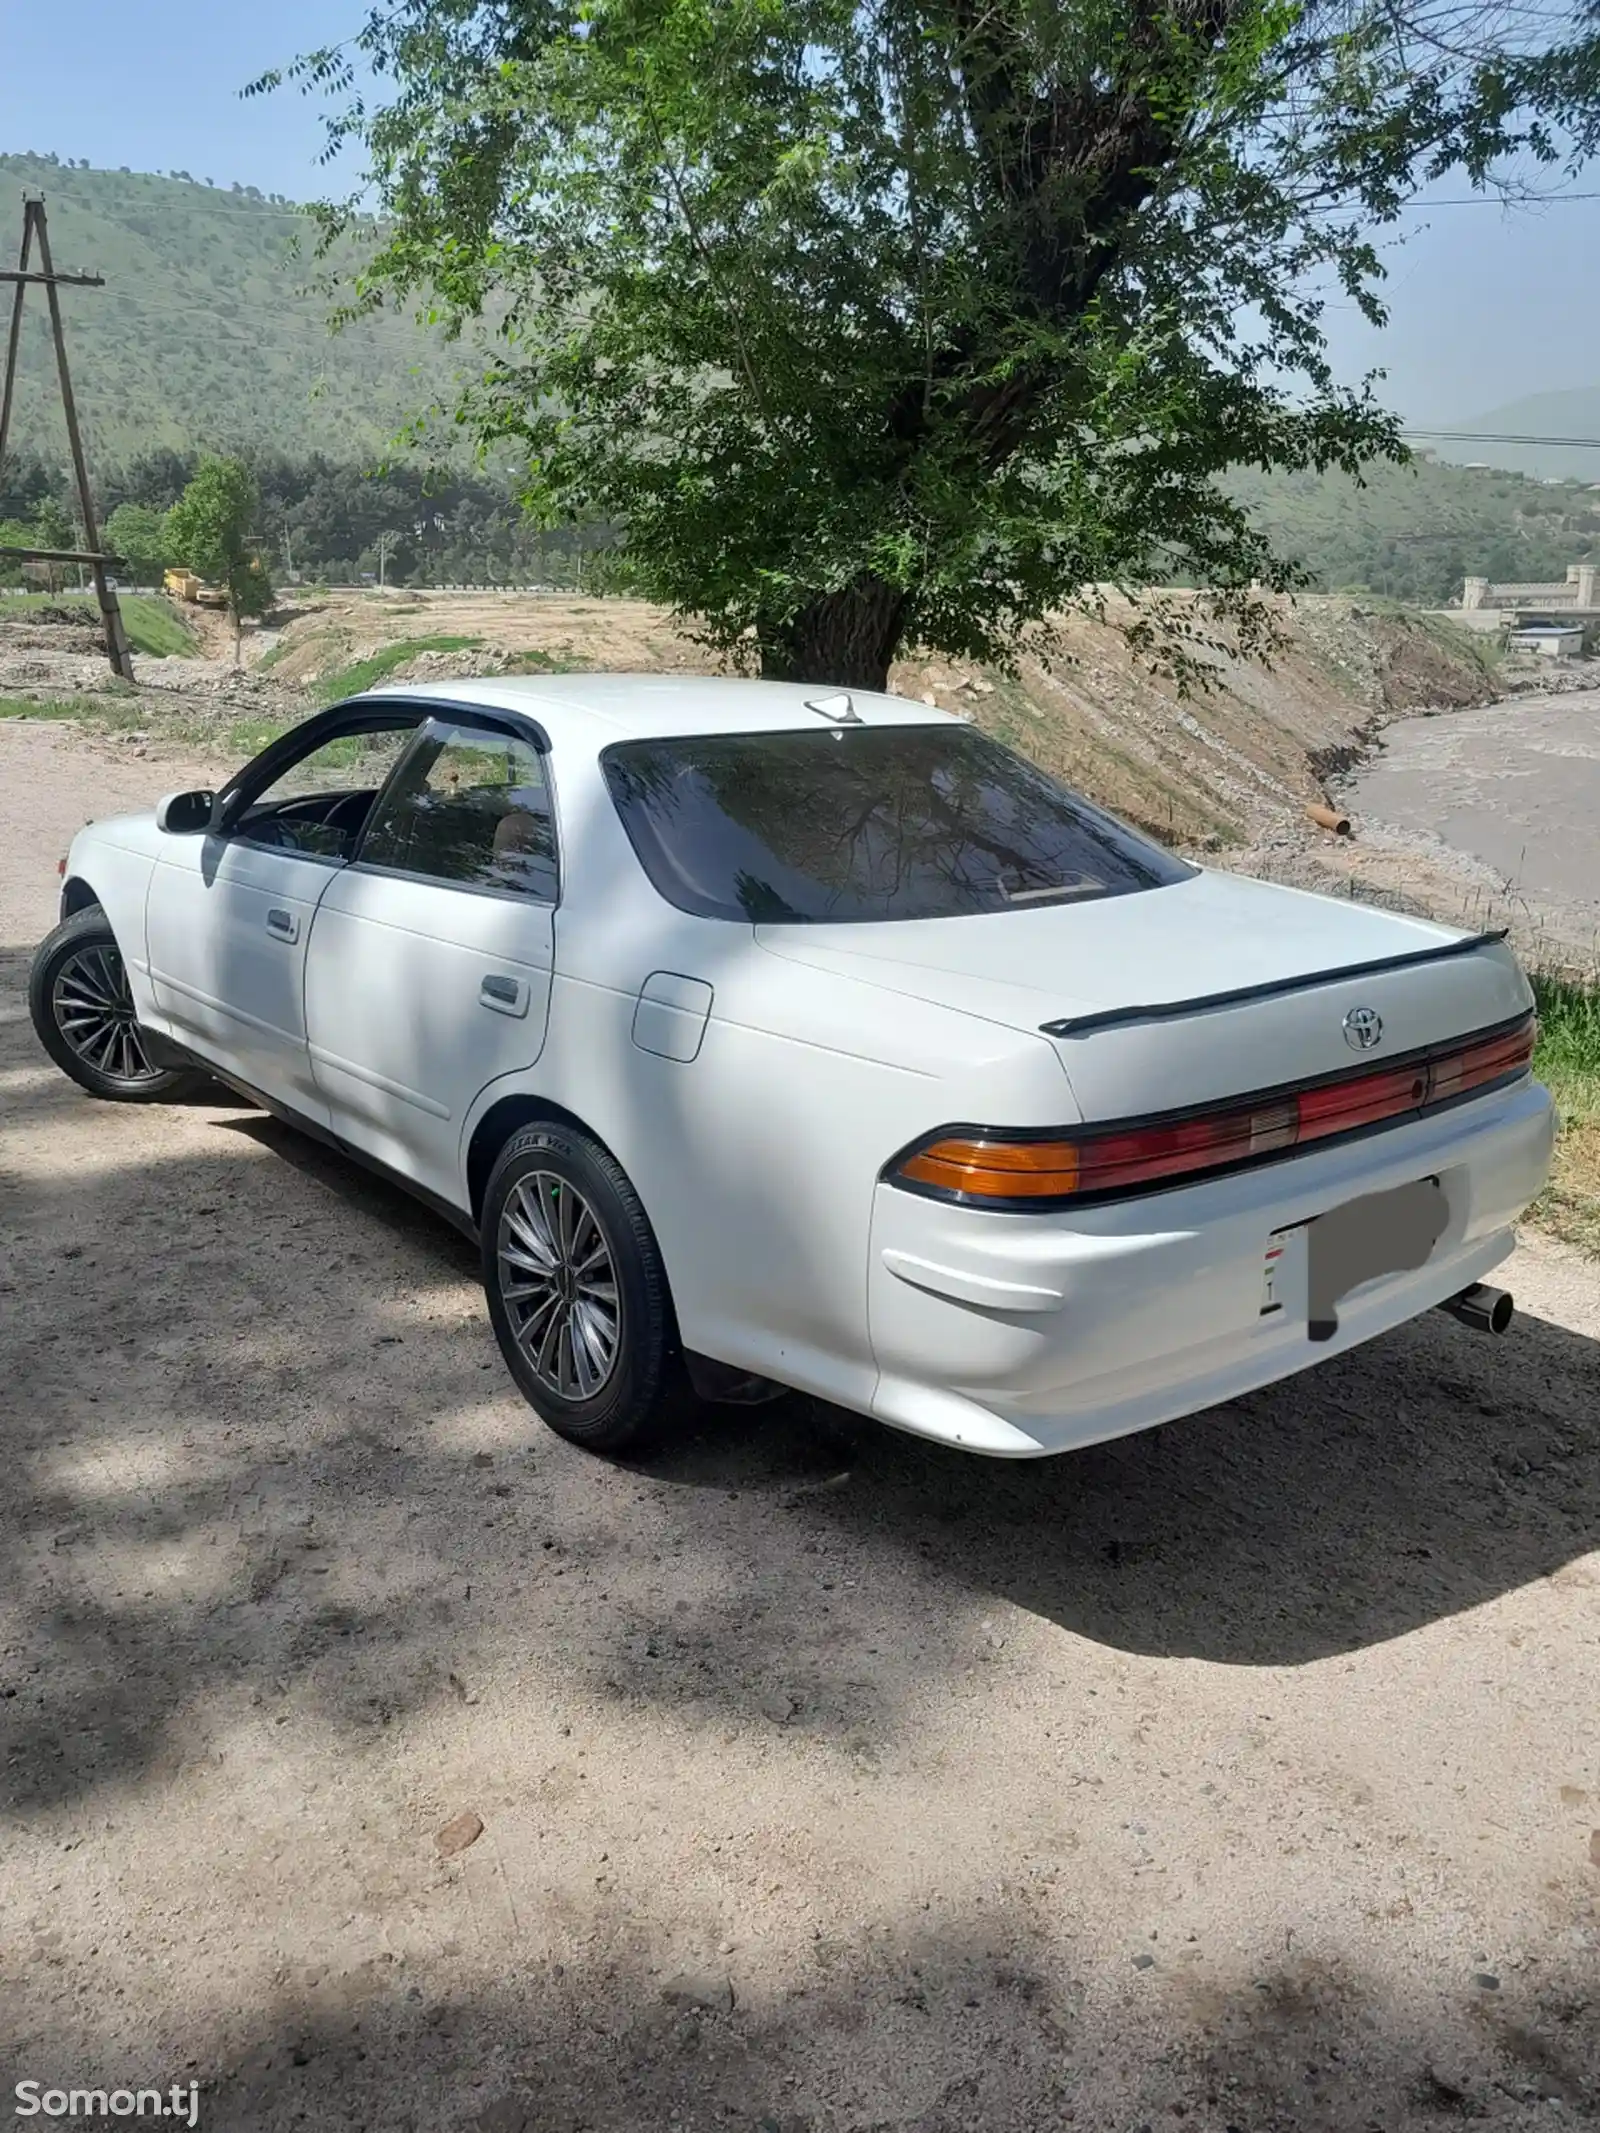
1516 785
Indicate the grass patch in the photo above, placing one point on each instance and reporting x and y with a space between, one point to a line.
152 627
155 630
115 714
1568 1063
249 736
363 674
564 661
102 710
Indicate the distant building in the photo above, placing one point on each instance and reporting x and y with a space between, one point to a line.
1552 640
1558 620
1578 592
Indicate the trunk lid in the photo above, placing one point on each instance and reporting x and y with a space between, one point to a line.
1214 934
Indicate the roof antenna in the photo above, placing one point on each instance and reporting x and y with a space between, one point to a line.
838 708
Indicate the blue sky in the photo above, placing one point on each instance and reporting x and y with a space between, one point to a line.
1485 306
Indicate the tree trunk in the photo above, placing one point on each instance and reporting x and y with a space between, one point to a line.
238 639
846 638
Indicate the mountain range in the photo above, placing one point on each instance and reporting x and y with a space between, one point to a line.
207 331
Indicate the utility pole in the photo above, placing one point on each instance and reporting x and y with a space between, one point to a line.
385 545
33 226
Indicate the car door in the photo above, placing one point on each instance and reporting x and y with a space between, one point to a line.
428 974
228 914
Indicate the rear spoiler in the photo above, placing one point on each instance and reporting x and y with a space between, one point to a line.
1170 1010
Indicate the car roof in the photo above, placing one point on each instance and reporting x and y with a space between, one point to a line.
594 710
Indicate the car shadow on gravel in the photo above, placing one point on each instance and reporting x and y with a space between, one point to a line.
259 1451
366 1191
1399 1484
1394 1486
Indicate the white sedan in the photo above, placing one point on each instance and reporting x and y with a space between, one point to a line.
770 1037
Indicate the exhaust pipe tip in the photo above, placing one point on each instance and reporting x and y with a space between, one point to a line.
1486 1310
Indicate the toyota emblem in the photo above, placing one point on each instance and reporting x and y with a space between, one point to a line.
1363 1026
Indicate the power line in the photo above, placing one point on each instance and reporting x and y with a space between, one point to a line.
1494 200
1584 444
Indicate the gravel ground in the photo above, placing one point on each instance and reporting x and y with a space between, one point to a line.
1242 1775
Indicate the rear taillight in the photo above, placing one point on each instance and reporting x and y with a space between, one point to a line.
995 1169
1027 1169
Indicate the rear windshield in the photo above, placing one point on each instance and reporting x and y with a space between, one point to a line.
866 822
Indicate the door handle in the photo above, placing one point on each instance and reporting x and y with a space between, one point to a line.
283 924
507 996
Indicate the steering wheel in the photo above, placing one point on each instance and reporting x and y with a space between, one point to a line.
348 814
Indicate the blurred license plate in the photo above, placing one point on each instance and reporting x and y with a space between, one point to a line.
1307 1269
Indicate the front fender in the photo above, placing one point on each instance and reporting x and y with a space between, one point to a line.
77 894
117 878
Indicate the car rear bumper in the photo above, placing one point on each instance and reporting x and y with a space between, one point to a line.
1021 1335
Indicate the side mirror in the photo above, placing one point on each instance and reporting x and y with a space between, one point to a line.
185 814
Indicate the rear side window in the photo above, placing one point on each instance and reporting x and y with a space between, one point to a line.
869 822
470 807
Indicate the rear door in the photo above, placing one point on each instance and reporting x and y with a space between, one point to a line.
428 973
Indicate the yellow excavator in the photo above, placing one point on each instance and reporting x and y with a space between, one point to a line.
184 585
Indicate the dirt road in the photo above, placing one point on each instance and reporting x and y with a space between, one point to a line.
1244 1775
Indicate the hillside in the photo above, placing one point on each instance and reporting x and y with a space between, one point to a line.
1414 532
1229 772
1564 414
1216 771
205 333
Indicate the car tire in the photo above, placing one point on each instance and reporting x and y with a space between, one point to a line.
82 1009
577 1291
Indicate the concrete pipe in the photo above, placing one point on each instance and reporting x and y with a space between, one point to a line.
1329 818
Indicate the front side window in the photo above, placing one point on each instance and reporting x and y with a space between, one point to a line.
319 803
471 807
866 822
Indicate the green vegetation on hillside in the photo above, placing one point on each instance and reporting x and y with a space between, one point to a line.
1414 532
206 336
207 330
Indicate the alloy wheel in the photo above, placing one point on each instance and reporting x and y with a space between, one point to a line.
558 1282
94 1011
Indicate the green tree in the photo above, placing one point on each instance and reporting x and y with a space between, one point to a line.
871 323
209 529
138 533
14 533
53 528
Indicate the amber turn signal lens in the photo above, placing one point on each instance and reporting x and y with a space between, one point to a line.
1002 1170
